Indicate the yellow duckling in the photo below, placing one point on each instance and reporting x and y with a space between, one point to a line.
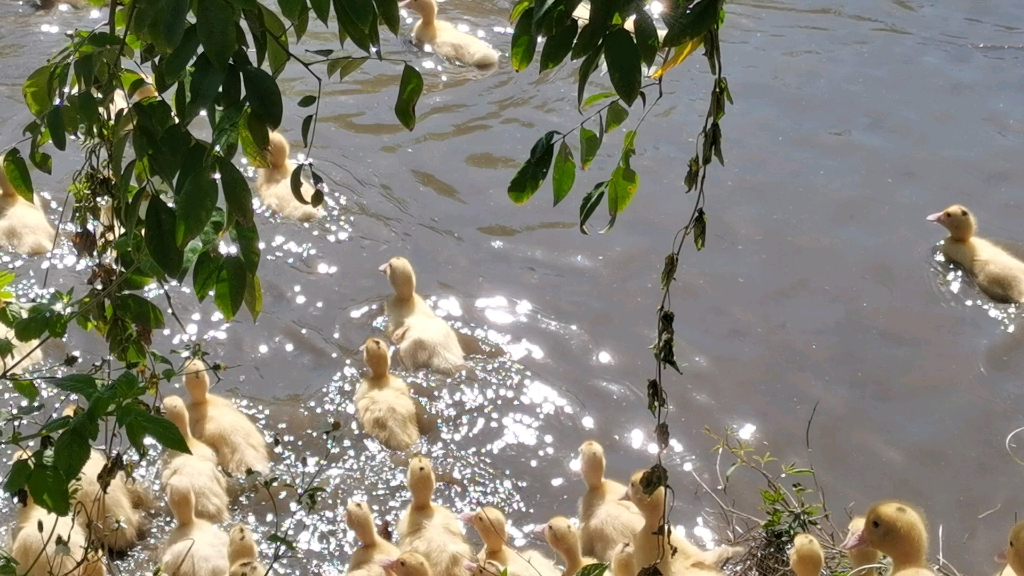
197 471
243 554
428 529
35 537
806 557
605 519
372 548
114 516
564 539
23 226
622 560
424 340
274 184
860 557
1013 555
997 273
492 527
445 40
195 547
408 564
215 421
897 530
384 407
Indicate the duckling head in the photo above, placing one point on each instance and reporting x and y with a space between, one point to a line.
197 380
958 220
895 529
860 556
427 9
650 506
182 502
806 557
421 479
377 355
278 151
174 410
360 520
592 463
248 568
242 544
561 536
408 564
1014 553
490 523
401 276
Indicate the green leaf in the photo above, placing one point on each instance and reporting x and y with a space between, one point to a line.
31 327
614 117
595 98
296 184
689 20
20 472
167 30
27 389
345 66
237 194
205 273
276 50
80 384
254 138
248 239
161 229
700 229
621 189
322 9
646 36
307 122
55 124
140 311
586 68
409 90
388 12
17 175
524 43
518 9
534 171
174 64
37 92
254 297
623 58
217 31
307 101
194 206
291 9
163 431
589 39
557 47
49 489
206 81
264 96
596 569
72 451
589 145
232 282
565 173
590 203
349 24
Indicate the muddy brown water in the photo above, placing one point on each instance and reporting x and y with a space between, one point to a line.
819 282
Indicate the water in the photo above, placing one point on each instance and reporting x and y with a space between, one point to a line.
819 283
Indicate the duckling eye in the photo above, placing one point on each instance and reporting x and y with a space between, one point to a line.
948 214
963 212
402 562
875 523
421 468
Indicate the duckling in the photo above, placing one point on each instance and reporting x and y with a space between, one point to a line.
649 546
582 13
1013 555
424 340
605 520
113 517
243 555
197 470
195 547
445 40
806 557
217 423
26 352
372 548
492 527
622 560
408 564
428 529
564 539
274 185
860 557
23 225
384 407
997 273
897 530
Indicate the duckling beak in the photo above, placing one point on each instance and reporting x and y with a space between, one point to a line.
854 541
1001 557
384 269
540 529
466 517
469 566
935 217
388 563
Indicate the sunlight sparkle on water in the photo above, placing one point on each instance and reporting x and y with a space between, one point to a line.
687 466
587 422
636 438
747 431
575 464
604 357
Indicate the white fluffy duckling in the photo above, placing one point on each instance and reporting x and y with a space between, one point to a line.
648 546
897 530
26 352
195 547
997 273
564 539
113 516
445 40
424 340
806 557
605 519
34 542
243 554
1013 555
23 225
622 560
384 407
274 184
197 470
408 564
428 529
492 527
860 557
372 548
239 445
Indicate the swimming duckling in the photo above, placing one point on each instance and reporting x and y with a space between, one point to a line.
408 564
274 184
492 527
860 557
26 352
1013 555
622 560
215 421
372 548
384 407
897 530
113 515
23 225
446 40
195 547
243 554
563 538
428 529
197 470
806 557
997 273
424 340
605 519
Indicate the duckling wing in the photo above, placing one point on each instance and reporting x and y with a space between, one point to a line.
462 47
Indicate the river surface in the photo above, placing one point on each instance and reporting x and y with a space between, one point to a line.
819 282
